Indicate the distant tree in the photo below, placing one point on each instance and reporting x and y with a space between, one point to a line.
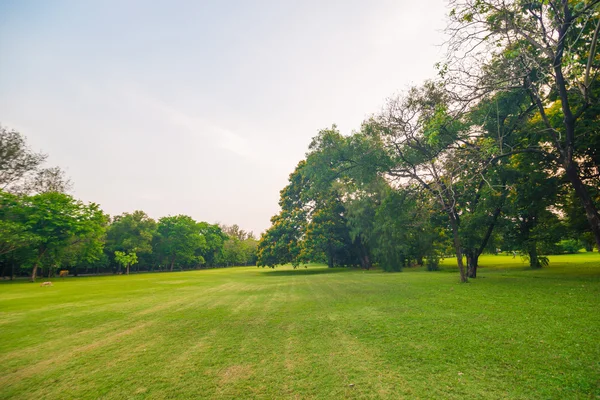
131 233
21 169
215 238
47 180
60 222
17 161
576 223
236 232
250 250
179 241
14 232
87 248
126 259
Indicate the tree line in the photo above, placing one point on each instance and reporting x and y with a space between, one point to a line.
43 229
501 151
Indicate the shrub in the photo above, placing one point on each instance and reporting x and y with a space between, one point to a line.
432 263
569 246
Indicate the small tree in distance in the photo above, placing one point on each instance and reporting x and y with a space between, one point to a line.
126 259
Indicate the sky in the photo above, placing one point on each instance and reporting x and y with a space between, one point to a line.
202 108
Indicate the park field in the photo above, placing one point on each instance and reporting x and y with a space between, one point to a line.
247 332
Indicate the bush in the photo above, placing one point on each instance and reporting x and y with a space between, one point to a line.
569 246
432 263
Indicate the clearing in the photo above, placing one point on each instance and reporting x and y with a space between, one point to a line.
311 333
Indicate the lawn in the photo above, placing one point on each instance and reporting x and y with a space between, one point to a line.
234 333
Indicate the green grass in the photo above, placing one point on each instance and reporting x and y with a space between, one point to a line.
234 333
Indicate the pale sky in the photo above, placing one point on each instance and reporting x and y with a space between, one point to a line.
198 107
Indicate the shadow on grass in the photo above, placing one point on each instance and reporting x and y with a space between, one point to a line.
305 271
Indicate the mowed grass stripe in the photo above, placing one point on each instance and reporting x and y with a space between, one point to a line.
315 333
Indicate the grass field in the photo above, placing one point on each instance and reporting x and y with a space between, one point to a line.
235 333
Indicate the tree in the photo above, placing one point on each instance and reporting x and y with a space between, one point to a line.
88 246
547 49
126 259
533 191
214 237
280 244
21 169
59 221
17 161
406 229
179 240
422 141
47 180
131 232
327 233
576 223
236 232
14 233
312 224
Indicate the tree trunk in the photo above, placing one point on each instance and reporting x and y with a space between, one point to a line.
365 259
330 259
533 256
34 272
459 258
41 252
127 269
591 212
368 263
472 263
172 264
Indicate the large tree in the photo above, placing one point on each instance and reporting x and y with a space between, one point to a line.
547 49
21 168
60 222
131 233
179 241
14 232
312 225
17 161
281 243
422 141
214 237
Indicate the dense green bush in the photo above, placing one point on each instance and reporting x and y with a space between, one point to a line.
569 246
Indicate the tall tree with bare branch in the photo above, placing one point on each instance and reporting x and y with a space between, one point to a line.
547 49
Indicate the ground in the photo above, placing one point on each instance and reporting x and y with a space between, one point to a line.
310 333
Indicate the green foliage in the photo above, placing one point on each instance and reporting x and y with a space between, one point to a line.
432 263
411 235
17 161
316 222
131 232
14 234
546 58
60 222
569 246
179 241
240 247
126 259
215 238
